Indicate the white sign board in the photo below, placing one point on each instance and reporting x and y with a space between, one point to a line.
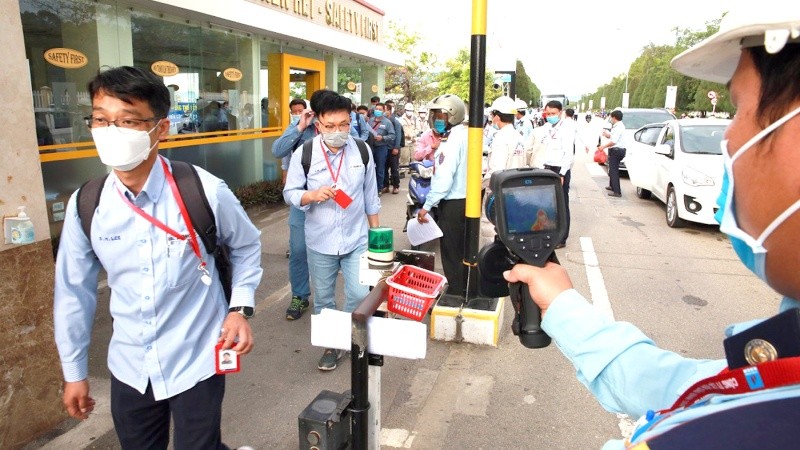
625 99
672 94
602 103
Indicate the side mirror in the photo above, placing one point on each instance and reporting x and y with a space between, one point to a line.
663 149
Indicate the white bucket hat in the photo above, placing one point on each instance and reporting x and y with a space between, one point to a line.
751 24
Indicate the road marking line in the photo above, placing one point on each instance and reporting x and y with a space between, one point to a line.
597 285
595 170
277 295
600 301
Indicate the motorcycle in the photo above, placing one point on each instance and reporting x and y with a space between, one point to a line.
418 187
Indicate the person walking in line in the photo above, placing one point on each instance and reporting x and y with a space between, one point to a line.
300 130
340 199
167 302
392 177
384 134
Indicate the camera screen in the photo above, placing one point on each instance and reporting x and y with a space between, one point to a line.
530 209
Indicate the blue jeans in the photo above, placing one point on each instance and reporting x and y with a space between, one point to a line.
380 154
325 269
298 260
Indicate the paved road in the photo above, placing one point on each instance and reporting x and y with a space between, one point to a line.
681 287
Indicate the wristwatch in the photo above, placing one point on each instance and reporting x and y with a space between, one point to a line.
246 311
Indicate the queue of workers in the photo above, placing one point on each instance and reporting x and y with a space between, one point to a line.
171 316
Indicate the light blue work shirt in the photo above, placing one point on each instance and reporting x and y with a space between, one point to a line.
289 141
166 320
628 374
331 229
449 180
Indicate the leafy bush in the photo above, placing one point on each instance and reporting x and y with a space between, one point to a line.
260 193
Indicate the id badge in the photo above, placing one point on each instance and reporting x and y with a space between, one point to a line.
342 199
226 360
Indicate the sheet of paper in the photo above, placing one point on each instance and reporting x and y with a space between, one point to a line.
397 338
420 233
331 329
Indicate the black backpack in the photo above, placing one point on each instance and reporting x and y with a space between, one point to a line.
200 213
306 157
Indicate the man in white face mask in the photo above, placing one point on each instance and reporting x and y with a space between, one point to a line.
164 308
336 193
751 399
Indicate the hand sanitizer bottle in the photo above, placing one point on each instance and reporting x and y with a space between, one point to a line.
22 229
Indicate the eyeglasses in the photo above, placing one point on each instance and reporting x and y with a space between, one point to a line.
127 123
330 128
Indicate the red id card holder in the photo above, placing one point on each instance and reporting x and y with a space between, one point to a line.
342 199
226 360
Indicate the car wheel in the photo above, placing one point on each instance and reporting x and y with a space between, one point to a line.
672 210
644 194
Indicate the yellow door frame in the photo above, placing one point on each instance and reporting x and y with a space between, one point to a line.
279 86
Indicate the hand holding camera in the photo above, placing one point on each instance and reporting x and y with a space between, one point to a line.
526 207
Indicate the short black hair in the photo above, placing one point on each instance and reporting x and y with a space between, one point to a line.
297 101
324 101
380 104
617 114
362 108
569 112
375 98
554 104
505 118
132 83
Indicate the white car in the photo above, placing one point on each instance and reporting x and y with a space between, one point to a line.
680 163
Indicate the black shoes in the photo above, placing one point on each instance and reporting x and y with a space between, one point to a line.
608 188
614 194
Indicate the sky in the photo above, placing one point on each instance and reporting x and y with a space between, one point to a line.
570 47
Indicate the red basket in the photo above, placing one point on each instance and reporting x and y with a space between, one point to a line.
412 290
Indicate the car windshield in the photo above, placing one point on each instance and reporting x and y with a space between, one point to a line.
703 139
634 120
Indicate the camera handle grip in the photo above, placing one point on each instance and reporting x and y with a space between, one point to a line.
529 317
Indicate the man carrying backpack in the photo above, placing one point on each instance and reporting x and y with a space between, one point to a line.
167 301
332 180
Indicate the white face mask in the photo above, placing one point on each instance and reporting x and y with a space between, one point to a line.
335 139
750 250
408 113
121 148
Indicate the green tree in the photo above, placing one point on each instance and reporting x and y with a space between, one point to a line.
650 74
454 79
525 88
414 79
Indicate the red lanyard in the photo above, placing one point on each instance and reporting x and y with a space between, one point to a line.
335 178
184 213
771 374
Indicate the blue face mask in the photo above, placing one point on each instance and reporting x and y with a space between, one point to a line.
439 125
751 251
377 113
552 120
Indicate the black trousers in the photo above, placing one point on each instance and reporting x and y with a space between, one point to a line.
452 221
392 171
142 422
615 155
565 188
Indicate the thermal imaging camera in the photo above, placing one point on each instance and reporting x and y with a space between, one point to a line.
528 210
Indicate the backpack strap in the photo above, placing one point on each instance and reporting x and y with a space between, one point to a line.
305 160
194 196
88 199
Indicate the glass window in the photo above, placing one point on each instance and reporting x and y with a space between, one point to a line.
212 90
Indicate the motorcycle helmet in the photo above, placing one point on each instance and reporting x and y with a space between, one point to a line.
450 104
